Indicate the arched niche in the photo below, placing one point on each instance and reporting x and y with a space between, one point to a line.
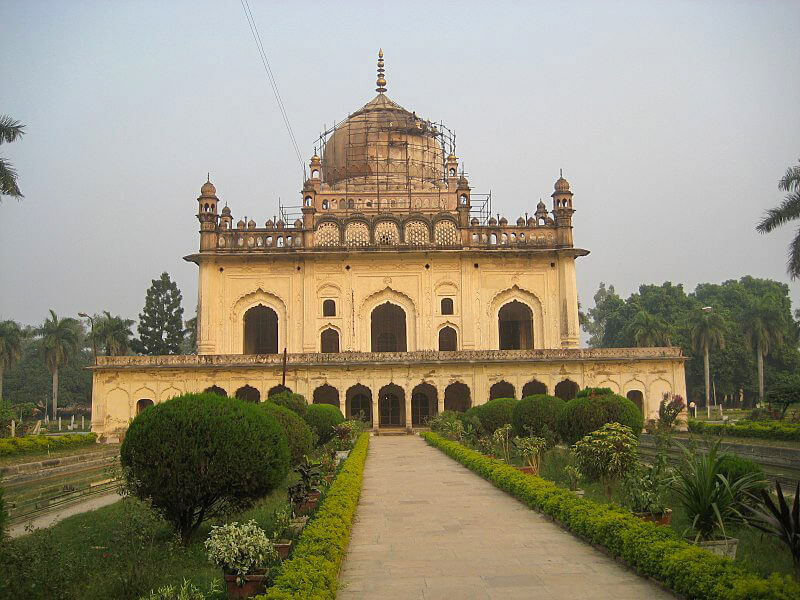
326 394
515 326
533 388
215 389
260 330
364 321
502 389
424 404
142 404
329 340
526 298
358 403
566 389
391 406
457 397
249 394
244 304
388 328
448 339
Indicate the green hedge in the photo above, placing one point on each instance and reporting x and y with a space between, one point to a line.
322 418
587 413
41 444
298 433
768 430
537 415
496 413
654 551
313 570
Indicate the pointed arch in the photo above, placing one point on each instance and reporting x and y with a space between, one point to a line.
457 397
533 387
358 403
258 297
424 404
215 389
326 394
502 389
566 389
249 394
525 297
387 294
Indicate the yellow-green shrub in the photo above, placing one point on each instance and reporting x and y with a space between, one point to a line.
41 444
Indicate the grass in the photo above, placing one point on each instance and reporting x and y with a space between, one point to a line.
686 436
119 551
758 553
19 459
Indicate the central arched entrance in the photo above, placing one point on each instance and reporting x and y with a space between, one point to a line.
388 328
391 406
260 331
515 325
423 404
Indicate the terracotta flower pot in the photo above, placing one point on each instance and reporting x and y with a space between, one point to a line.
251 585
664 518
308 506
314 495
283 546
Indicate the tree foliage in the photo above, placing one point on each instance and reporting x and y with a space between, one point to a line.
61 340
112 334
10 131
788 210
161 321
10 348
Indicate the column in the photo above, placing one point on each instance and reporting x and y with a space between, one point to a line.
375 409
407 394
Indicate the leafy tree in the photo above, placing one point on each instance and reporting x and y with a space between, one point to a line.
650 330
785 392
61 340
10 348
706 330
788 210
190 343
10 131
112 334
606 302
161 321
763 324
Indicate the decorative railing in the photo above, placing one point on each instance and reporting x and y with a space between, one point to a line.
420 356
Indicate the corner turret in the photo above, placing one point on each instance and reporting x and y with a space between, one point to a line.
562 210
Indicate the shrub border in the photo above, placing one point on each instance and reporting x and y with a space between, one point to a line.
313 570
654 551
40 444
770 430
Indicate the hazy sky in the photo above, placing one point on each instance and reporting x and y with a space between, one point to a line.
673 121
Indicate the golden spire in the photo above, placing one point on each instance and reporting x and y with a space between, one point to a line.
381 83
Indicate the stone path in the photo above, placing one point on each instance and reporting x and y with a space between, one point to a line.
426 527
54 517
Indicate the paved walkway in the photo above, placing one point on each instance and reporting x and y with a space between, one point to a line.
426 527
54 517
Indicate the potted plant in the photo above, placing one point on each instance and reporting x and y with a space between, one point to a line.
607 454
501 441
712 502
780 522
645 488
244 552
573 474
282 544
530 450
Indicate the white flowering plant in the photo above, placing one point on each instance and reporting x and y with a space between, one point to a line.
240 548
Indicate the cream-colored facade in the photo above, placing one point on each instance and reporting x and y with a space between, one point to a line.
394 293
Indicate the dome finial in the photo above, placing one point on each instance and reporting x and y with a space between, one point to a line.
381 82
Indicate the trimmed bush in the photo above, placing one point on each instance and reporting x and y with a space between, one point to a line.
734 467
765 430
471 418
652 550
42 444
587 413
537 415
197 455
298 433
322 418
292 401
313 570
496 413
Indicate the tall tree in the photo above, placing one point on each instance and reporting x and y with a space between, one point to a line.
788 210
650 330
606 302
10 348
61 340
706 331
763 327
161 321
10 131
112 334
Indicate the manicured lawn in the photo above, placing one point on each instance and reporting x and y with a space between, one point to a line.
27 458
761 554
685 436
110 553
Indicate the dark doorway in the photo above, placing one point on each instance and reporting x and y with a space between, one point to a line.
532 388
515 324
457 397
277 389
248 393
260 331
567 389
215 389
329 341
143 404
359 403
388 328
326 394
424 400
637 397
391 405
448 341
501 389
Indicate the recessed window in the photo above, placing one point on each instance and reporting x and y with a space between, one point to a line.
329 308
447 306
329 341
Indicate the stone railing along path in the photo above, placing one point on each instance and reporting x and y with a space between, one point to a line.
427 527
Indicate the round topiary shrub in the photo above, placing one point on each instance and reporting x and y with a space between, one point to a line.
298 433
496 413
587 413
735 467
538 415
292 401
471 421
197 455
322 418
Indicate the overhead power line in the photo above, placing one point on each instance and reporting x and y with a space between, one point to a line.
265 61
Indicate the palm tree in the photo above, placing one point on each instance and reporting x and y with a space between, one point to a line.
10 348
706 330
60 341
113 334
10 131
650 330
763 327
788 210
